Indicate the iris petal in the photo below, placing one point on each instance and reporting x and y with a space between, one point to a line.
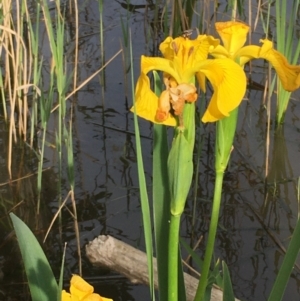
182 53
212 112
157 63
81 291
80 288
289 75
204 45
146 102
94 297
166 48
65 296
201 81
185 52
233 35
163 109
248 53
219 52
229 82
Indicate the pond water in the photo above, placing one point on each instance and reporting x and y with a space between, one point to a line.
257 216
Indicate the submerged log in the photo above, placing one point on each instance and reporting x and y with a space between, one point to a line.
116 255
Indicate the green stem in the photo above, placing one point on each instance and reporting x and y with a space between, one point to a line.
173 258
211 236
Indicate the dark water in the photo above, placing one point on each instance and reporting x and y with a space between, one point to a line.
257 216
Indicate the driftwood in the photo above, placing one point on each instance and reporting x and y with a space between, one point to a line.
116 255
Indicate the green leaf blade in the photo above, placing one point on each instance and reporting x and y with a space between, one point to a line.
161 198
146 215
228 294
286 266
42 284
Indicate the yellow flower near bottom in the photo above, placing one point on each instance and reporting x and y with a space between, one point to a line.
80 290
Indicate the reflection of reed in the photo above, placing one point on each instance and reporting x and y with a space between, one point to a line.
19 193
269 217
278 189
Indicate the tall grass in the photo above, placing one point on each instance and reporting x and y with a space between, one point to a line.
31 96
15 73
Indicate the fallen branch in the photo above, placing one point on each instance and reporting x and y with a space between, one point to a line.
116 255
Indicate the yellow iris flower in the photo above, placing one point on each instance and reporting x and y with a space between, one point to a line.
182 60
234 35
80 290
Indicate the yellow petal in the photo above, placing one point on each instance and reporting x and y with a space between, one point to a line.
212 113
65 296
219 52
170 47
204 45
164 107
209 45
183 53
146 102
289 75
166 48
80 288
233 35
157 63
229 82
94 297
247 53
201 81
180 46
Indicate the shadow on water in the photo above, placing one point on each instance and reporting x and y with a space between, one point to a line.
257 216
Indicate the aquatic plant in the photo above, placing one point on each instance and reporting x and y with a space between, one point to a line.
174 105
183 60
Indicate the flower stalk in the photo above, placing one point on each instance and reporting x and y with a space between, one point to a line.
209 249
173 247
225 132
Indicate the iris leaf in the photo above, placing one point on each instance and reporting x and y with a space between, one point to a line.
42 284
